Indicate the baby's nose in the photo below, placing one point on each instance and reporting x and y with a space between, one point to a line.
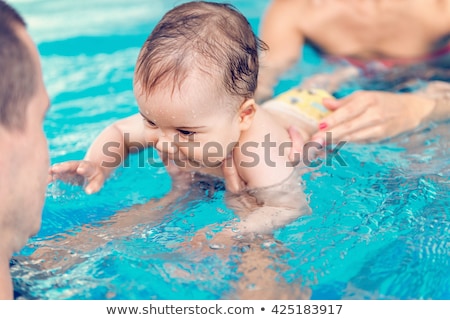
166 144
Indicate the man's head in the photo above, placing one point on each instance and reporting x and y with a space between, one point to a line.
19 77
23 146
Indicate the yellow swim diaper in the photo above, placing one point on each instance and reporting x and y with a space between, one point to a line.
303 103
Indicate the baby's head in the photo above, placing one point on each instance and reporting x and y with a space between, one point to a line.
195 79
212 39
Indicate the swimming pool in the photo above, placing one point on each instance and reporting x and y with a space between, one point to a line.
379 227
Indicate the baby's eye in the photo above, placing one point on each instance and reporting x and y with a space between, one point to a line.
150 123
186 132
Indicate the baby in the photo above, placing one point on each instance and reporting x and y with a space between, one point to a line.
195 80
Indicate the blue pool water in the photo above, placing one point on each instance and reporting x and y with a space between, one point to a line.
379 227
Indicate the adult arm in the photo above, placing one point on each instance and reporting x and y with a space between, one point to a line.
280 31
6 289
64 250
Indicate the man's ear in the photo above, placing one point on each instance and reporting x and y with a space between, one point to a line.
247 111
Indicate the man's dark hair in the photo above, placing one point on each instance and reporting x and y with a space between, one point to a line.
211 37
17 70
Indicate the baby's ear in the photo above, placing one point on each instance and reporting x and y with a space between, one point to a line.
247 111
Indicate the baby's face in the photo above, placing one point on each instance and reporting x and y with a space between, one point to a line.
191 123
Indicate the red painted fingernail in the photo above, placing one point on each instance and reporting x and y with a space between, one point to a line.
322 125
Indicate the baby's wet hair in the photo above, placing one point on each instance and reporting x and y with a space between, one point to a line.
214 38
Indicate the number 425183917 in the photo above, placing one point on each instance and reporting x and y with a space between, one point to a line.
306 309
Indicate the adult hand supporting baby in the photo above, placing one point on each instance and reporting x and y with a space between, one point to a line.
368 116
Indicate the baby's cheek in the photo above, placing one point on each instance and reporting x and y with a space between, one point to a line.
150 134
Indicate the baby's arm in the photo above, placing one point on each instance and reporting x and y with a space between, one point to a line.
105 154
263 171
270 178
263 160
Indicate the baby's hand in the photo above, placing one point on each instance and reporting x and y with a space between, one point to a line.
86 173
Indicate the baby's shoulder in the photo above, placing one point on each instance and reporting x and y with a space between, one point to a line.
263 160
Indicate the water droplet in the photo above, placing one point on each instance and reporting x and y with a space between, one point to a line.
217 246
